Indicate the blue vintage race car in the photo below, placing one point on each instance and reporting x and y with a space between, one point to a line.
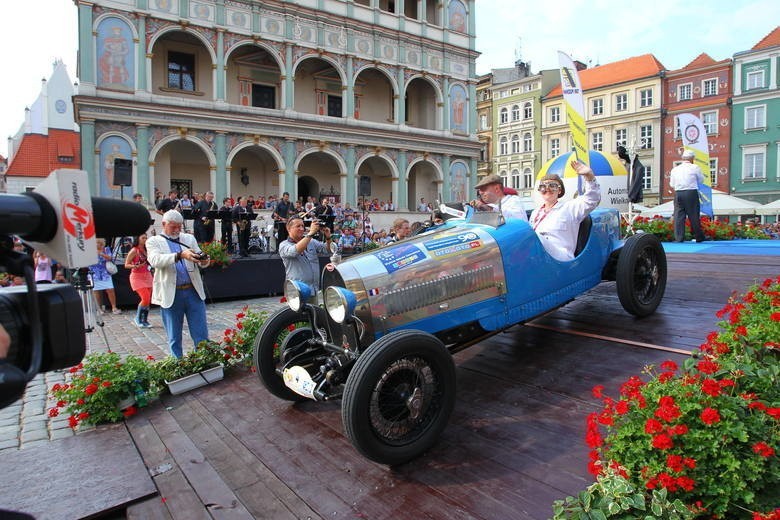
394 316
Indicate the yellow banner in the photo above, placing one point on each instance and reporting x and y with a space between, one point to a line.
575 108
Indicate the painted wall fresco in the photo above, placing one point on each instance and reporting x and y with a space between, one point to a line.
457 16
458 182
115 62
113 147
459 108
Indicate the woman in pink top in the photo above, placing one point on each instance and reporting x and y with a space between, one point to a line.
42 268
140 279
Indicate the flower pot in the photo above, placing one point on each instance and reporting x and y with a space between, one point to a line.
192 381
127 402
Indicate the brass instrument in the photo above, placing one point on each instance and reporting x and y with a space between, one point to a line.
212 207
242 224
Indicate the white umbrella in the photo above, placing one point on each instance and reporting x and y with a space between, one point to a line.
773 208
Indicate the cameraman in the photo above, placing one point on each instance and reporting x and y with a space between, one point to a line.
177 287
300 252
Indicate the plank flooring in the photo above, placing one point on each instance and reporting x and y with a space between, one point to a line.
514 442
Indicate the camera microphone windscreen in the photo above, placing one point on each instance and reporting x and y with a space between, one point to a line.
61 220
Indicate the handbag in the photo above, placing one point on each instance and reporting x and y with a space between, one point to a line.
111 267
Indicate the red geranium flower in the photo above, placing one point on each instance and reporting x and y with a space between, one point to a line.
129 411
710 387
598 391
662 442
763 449
53 412
72 421
669 365
710 416
653 426
775 316
708 367
91 389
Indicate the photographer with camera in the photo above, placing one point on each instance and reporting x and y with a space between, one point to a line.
177 286
300 252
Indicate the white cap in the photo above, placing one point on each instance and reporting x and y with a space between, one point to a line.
688 154
173 216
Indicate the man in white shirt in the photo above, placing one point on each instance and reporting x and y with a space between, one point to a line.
491 191
684 179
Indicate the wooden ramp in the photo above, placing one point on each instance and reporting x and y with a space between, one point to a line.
84 476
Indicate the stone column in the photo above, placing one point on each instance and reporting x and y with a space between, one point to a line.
87 136
445 175
289 177
220 185
142 162
349 188
403 203
86 46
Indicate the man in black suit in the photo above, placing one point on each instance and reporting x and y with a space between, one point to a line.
243 217
226 214
204 224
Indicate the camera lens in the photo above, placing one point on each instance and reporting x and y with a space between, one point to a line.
13 322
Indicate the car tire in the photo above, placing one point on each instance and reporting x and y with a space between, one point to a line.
399 396
276 331
641 274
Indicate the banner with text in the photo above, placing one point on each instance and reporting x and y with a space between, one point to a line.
575 108
694 138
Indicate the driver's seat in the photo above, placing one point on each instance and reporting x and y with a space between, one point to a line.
583 234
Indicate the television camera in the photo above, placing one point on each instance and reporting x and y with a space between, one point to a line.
45 323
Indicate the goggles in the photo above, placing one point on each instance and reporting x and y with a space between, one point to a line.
549 186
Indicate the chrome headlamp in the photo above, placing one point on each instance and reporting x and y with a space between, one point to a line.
340 303
297 293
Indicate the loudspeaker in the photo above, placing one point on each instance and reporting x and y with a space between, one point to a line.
364 188
123 172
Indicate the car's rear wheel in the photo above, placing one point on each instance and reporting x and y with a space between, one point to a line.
283 331
641 274
399 396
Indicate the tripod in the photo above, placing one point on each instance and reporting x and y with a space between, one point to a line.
82 281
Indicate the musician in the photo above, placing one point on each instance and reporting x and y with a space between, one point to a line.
325 213
226 214
242 217
283 211
204 226
172 202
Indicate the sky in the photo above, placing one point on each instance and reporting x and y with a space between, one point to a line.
592 31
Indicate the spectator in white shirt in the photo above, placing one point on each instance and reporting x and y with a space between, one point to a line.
558 223
684 179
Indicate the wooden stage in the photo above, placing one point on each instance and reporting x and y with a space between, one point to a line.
513 445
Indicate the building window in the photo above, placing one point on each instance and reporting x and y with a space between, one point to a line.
710 122
483 153
483 122
263 96
646 136
684 92
528 142
504 116
515 144
528 111
555 147
515 113
755 79
621 137
503 146
555 115
753 163
181 71
516 179
334 106
710 87
503 178
597 107
647 178
528 178
714 172
598 141
755 117
646 97
621 102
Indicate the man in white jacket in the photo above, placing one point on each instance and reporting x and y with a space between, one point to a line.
178 287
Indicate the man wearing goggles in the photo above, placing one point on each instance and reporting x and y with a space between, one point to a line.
557 223
491 191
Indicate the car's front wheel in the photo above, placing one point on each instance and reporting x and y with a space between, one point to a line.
641 274
399 396
283 331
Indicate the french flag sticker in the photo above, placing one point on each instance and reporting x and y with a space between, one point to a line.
373 292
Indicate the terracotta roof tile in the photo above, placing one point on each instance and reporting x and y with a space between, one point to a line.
39 154
617 72
770 40
702 60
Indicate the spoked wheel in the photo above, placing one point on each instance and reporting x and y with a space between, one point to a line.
399 396
283 332
641 274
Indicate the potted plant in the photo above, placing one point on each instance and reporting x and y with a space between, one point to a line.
105 388
239 341
195 368
704 433
218 253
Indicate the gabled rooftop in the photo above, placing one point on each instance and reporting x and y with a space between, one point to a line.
770 40
617 72
39 154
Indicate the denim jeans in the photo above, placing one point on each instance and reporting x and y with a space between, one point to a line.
186 303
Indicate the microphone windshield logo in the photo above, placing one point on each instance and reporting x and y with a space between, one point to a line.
77 222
